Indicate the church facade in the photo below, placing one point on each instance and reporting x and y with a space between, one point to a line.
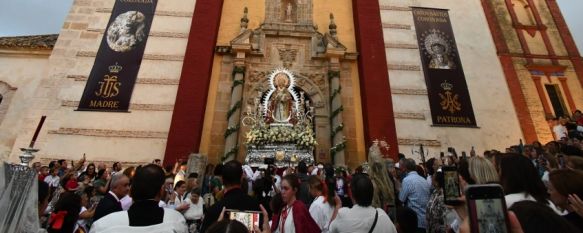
469 74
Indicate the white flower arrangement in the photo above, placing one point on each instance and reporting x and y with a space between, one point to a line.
303 136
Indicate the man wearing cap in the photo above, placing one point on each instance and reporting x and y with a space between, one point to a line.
119 187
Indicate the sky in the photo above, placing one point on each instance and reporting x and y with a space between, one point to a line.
47 17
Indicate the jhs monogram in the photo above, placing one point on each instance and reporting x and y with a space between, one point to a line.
109 87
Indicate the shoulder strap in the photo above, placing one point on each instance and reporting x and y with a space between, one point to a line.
374 224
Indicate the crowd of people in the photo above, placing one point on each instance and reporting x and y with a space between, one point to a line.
543 186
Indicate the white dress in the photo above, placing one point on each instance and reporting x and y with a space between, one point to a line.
321 212
288 226
195 212
119 222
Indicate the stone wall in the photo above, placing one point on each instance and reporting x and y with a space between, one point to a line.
21 72
137 136
498 126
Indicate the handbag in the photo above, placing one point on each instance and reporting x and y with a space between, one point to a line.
374 224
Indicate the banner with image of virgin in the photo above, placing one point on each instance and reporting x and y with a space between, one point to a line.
449 98
112 78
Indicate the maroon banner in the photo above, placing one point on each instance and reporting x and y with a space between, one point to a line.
449 98
112 78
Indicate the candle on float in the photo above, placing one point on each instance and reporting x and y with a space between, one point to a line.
37 131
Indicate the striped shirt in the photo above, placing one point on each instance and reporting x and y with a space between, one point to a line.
415 193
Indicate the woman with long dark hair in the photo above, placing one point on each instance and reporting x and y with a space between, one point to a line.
66 213
89 173
436 210
294 216
325 202
262 187
521 182
566 183
178 198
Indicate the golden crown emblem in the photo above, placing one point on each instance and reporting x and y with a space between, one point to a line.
115 68
446 86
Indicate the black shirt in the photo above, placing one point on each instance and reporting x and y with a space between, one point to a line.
233 199
575 219
107 205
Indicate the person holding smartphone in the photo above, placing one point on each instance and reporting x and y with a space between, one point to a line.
486 209
87 210
362 217
472 171
436 210
234 197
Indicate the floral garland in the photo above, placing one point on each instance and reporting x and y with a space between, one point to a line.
336 112
232 129
302 136
336 94
338 147
336 130
238 70
333 74
233 109
237 83
233 152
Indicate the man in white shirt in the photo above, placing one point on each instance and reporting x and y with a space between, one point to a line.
362 217
144 215
53 178
559 129
181 174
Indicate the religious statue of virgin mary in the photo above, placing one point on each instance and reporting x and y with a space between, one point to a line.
281 102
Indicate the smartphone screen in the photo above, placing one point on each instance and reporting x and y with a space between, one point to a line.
487 209
248 218
451 186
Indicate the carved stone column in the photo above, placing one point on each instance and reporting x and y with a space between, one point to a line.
336 108
234 113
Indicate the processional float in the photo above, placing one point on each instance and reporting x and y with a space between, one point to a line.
281 129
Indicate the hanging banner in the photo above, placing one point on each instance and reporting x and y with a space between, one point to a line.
449 99
111 81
